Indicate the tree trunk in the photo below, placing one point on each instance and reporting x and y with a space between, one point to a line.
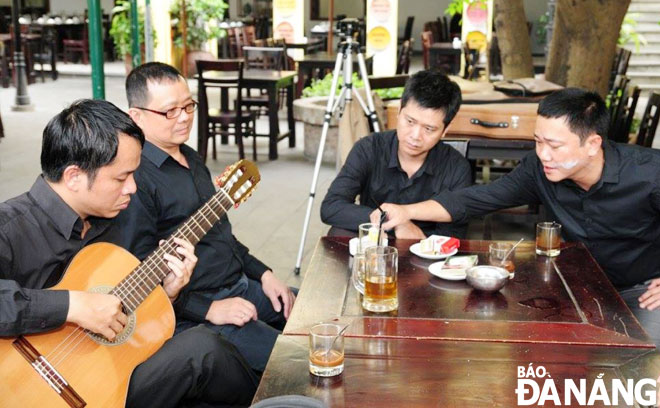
513 39
584 43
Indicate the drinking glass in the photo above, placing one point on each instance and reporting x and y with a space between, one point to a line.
380 282
497 253
368 234
326 350
548 236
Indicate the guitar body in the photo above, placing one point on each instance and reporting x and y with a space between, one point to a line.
98 373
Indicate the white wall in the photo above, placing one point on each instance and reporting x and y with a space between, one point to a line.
77 6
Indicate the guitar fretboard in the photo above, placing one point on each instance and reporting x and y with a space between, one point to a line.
135 287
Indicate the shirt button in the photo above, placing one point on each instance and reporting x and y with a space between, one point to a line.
43 324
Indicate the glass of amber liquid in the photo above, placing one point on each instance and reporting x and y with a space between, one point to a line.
326 350
548 235
499 255
380 281
369 235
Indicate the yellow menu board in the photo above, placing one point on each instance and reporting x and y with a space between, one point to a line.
289 20
382 35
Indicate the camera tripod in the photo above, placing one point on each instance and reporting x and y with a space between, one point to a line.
345 56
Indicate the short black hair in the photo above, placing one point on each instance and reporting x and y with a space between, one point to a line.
85 134
585 112
433 90
138 79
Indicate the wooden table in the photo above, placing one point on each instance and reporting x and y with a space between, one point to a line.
323 61
448 345
272 82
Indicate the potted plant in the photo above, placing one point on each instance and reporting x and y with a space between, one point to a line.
203 18
120 31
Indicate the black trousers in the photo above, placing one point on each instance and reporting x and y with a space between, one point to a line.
195 367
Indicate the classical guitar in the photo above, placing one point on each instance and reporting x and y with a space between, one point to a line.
73 367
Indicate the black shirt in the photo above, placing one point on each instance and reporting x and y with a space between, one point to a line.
39 235
168 194
373 172
618 219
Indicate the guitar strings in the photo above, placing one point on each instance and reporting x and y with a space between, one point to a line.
80 334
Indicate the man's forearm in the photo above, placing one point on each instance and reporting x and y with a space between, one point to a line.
429 210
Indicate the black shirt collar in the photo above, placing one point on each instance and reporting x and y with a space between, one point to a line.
612 163
154 154
65 219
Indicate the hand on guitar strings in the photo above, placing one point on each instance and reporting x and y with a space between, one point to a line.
181 267
97 312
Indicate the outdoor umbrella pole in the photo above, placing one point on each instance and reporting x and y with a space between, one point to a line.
344 56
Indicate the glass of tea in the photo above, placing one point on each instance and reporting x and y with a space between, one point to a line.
380 281
548 237
501 254
326 350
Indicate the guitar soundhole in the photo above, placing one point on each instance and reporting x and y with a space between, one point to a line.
124 334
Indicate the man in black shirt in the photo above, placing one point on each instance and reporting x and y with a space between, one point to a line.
231 291
403 166
604 194
89 154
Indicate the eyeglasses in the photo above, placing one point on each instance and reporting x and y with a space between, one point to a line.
174 112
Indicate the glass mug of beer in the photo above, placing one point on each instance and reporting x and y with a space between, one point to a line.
380 281
326 350
548 236
368 236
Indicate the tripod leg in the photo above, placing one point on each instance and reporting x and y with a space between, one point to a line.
367 88
319 156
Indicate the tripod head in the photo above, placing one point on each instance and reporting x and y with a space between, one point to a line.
348 27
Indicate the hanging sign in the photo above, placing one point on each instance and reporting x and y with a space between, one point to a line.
382 35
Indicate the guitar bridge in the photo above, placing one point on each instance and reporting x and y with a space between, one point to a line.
48 373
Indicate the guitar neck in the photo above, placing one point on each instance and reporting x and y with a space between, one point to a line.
135 287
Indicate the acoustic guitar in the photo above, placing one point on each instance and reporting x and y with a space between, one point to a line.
73 367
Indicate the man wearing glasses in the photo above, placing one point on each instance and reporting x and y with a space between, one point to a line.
230 291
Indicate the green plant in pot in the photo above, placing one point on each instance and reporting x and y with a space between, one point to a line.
202 24
120 30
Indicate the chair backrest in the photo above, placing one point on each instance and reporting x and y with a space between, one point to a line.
470 61
461 145
426 47
407 31
249 34
629 111
388 81
223 74
403 63
649 121
265 58
618 99
620 64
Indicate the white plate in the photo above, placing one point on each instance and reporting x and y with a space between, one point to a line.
436 269
414 248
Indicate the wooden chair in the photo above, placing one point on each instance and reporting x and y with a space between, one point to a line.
407 31
621 120
618 97
388 81
73 45
268 58
649 121
472 68
223 121
427 40
249 35
620 64
403 63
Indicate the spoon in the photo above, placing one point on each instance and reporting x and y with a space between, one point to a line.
335 339
511 250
